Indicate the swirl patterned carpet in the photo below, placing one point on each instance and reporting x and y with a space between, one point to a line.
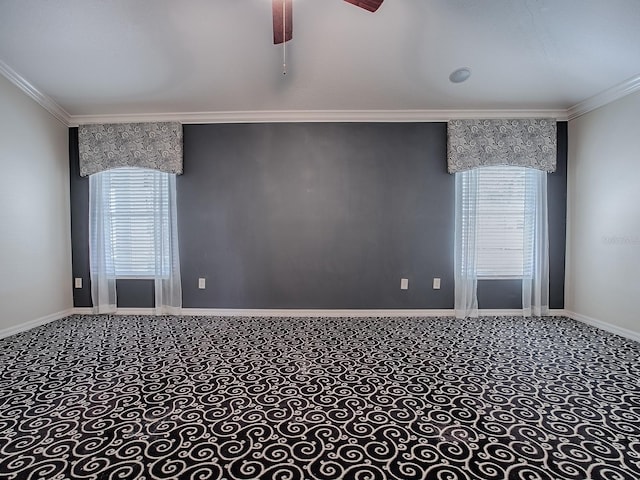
102 397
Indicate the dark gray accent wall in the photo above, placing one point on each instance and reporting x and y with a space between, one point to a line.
557 202
79 197
318 216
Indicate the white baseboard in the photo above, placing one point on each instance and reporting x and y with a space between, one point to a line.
250 312
23 327
229 312
121 311
503 312
224 312
82 311
609 327
317 312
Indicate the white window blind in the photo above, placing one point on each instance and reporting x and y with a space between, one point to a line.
504 239
134 201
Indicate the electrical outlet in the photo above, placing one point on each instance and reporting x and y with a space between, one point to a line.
404 284
202 283
436 283
78 282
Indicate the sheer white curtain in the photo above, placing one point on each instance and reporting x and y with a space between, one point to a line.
168 285
535 286
133 233
465 255
102 273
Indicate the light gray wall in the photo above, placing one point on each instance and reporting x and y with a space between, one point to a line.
35 244
603 244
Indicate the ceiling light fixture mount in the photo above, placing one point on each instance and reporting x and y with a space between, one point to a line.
460 75
283 16
282 12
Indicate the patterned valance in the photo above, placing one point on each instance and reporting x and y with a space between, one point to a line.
157 146
527 142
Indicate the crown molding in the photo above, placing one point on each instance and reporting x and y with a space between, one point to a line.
30 90
601 99
280 116
612 94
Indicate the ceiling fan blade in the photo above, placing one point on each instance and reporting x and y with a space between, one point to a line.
281 34
371 5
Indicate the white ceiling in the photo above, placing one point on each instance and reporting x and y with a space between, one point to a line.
98 57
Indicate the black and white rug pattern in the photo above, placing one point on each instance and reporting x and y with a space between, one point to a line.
133 397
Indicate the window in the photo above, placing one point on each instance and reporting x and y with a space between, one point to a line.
499 202
504 244
135 216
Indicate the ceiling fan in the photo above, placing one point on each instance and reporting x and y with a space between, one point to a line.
283 16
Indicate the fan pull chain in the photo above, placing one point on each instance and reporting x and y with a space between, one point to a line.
284 37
